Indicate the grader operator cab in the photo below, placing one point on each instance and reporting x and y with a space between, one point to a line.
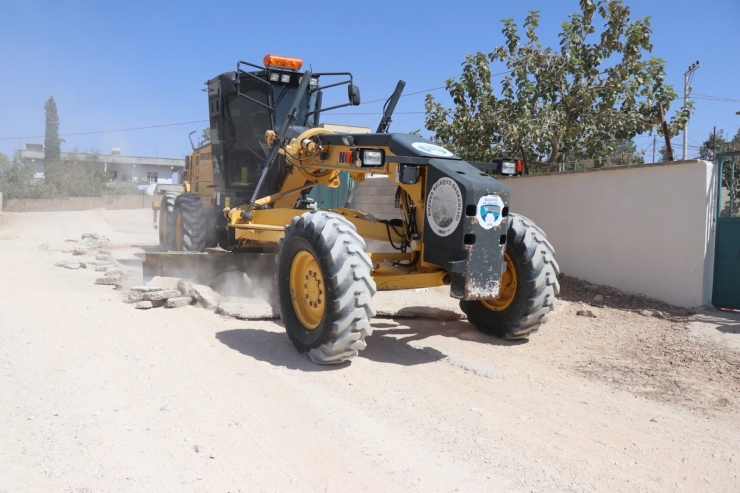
246 191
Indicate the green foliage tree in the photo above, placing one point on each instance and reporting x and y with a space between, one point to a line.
664 153
80 175
710 146
206 135
626 154
578 101
52 143
730 180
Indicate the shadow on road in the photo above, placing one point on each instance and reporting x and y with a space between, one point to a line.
271 347
723 321
391 340
390 343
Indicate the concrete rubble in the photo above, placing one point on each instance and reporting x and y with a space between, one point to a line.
161 295
90 245
178 302
247 309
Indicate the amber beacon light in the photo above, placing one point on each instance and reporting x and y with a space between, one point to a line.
283 61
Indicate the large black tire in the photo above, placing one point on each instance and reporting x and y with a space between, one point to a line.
192 216
346 269
166 220
536 270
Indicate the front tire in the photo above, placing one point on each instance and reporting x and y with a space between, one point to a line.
166 216
325 288
528 286
189 231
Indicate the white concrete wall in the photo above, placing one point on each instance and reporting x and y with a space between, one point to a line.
645 230
642 229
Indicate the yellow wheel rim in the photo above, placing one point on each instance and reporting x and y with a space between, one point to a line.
307 290
178 233
508 288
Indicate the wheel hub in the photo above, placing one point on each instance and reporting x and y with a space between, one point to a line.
508 288
307 289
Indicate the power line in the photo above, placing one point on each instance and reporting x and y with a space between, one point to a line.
108 131
696 96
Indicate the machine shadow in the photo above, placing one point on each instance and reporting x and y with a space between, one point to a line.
390 343
271 347
392 338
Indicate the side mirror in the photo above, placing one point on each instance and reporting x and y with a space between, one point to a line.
354 95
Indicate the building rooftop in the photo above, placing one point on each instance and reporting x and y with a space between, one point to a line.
111 158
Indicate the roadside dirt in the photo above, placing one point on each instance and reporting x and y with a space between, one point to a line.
654 357
97 396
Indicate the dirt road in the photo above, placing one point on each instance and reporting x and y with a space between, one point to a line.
96 396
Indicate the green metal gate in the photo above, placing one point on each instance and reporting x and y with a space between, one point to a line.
726 288
331 198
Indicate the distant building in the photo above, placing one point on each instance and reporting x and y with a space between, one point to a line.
165 171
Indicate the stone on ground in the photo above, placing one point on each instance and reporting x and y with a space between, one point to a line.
108 281
90 236
585 313
178 301
440 314
135 296
69 264
203 295
247 309
161 295
143 305
83 251
146 289
104 257
163 282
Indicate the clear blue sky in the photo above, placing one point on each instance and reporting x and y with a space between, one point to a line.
120 64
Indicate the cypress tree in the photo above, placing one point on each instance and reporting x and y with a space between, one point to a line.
52 143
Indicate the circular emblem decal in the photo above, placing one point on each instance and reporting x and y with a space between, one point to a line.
489 211
444 206
432 149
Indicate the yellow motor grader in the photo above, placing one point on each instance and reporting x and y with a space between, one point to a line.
247 191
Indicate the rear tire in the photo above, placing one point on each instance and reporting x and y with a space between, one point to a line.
191 215
166 215
536 278
343 285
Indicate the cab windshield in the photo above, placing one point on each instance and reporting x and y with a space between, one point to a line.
282 97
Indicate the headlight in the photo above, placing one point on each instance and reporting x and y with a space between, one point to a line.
274 77
285 78
372 158
508 168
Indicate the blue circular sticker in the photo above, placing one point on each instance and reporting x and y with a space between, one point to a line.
432 149
489 211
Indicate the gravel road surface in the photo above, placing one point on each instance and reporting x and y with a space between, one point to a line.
96 396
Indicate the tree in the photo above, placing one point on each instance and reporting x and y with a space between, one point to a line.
206 135
710 147
52 143
626 154
664 153
575 102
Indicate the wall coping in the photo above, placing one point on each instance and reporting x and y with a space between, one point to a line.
607 168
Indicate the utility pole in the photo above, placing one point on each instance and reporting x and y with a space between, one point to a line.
714 145
687 78
667 135
654 137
